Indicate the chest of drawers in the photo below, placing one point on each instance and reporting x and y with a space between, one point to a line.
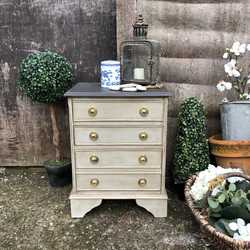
118 147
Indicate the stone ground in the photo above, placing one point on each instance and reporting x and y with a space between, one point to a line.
36 216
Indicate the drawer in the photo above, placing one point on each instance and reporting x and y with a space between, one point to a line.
114 135
118 158
118 110
118 182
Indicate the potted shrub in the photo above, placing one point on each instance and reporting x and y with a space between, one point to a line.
232 149
44 77
219 199
235 115
192 151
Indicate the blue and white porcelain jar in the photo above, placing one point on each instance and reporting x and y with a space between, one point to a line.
110 73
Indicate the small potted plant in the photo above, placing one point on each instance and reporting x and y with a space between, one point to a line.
192 151
235 115
219 199
232 149
44 77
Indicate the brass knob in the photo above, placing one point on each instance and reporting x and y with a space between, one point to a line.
142 182
143 136
143 159
92 111
94 182
93 136
143 112
93 158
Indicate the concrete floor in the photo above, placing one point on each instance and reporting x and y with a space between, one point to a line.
36 216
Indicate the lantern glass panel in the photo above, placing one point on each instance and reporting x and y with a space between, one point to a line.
135 62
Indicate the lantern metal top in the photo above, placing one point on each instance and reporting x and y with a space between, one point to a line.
140 28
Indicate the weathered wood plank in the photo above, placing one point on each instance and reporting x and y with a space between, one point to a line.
208 95
83 31
126 10
193 35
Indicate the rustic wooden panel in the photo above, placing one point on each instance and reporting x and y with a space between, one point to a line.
208 95
126 10
193 35
84 31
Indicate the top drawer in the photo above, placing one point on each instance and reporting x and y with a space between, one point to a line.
118 109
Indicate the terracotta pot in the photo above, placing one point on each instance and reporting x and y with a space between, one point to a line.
233 154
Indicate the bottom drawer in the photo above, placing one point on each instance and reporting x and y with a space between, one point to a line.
121 182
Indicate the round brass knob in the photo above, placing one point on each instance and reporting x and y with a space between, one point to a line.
92 111
93 136
94 182
93 158
142 182
143 159
143 136
143 112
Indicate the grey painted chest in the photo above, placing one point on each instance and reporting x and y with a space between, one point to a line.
118 147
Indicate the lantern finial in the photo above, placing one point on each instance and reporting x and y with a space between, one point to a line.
140 28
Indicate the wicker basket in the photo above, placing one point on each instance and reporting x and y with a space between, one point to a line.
224 241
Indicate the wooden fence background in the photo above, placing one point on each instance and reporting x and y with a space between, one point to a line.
193 34
83 31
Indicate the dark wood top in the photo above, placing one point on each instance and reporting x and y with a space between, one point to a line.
93 89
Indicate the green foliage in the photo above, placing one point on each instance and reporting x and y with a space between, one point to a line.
45 76
192 151
222 225
231 202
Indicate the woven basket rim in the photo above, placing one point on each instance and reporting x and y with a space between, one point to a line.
204 223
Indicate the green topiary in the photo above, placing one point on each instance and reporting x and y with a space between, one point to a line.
192 151
45 76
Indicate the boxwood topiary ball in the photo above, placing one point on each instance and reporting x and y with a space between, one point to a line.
45 76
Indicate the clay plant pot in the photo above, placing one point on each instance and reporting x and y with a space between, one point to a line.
233 154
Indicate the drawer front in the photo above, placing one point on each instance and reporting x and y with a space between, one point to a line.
118 110
118 158
121 182
117 135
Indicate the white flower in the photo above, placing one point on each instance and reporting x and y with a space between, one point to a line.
242 48
233 226
248 81
225 99
235 48
236 236
215 191
248 47
236 73
235 179
240 222
230 68
220 86
248 228
228 85
238 48
225 55
200 186
245 237
243 231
